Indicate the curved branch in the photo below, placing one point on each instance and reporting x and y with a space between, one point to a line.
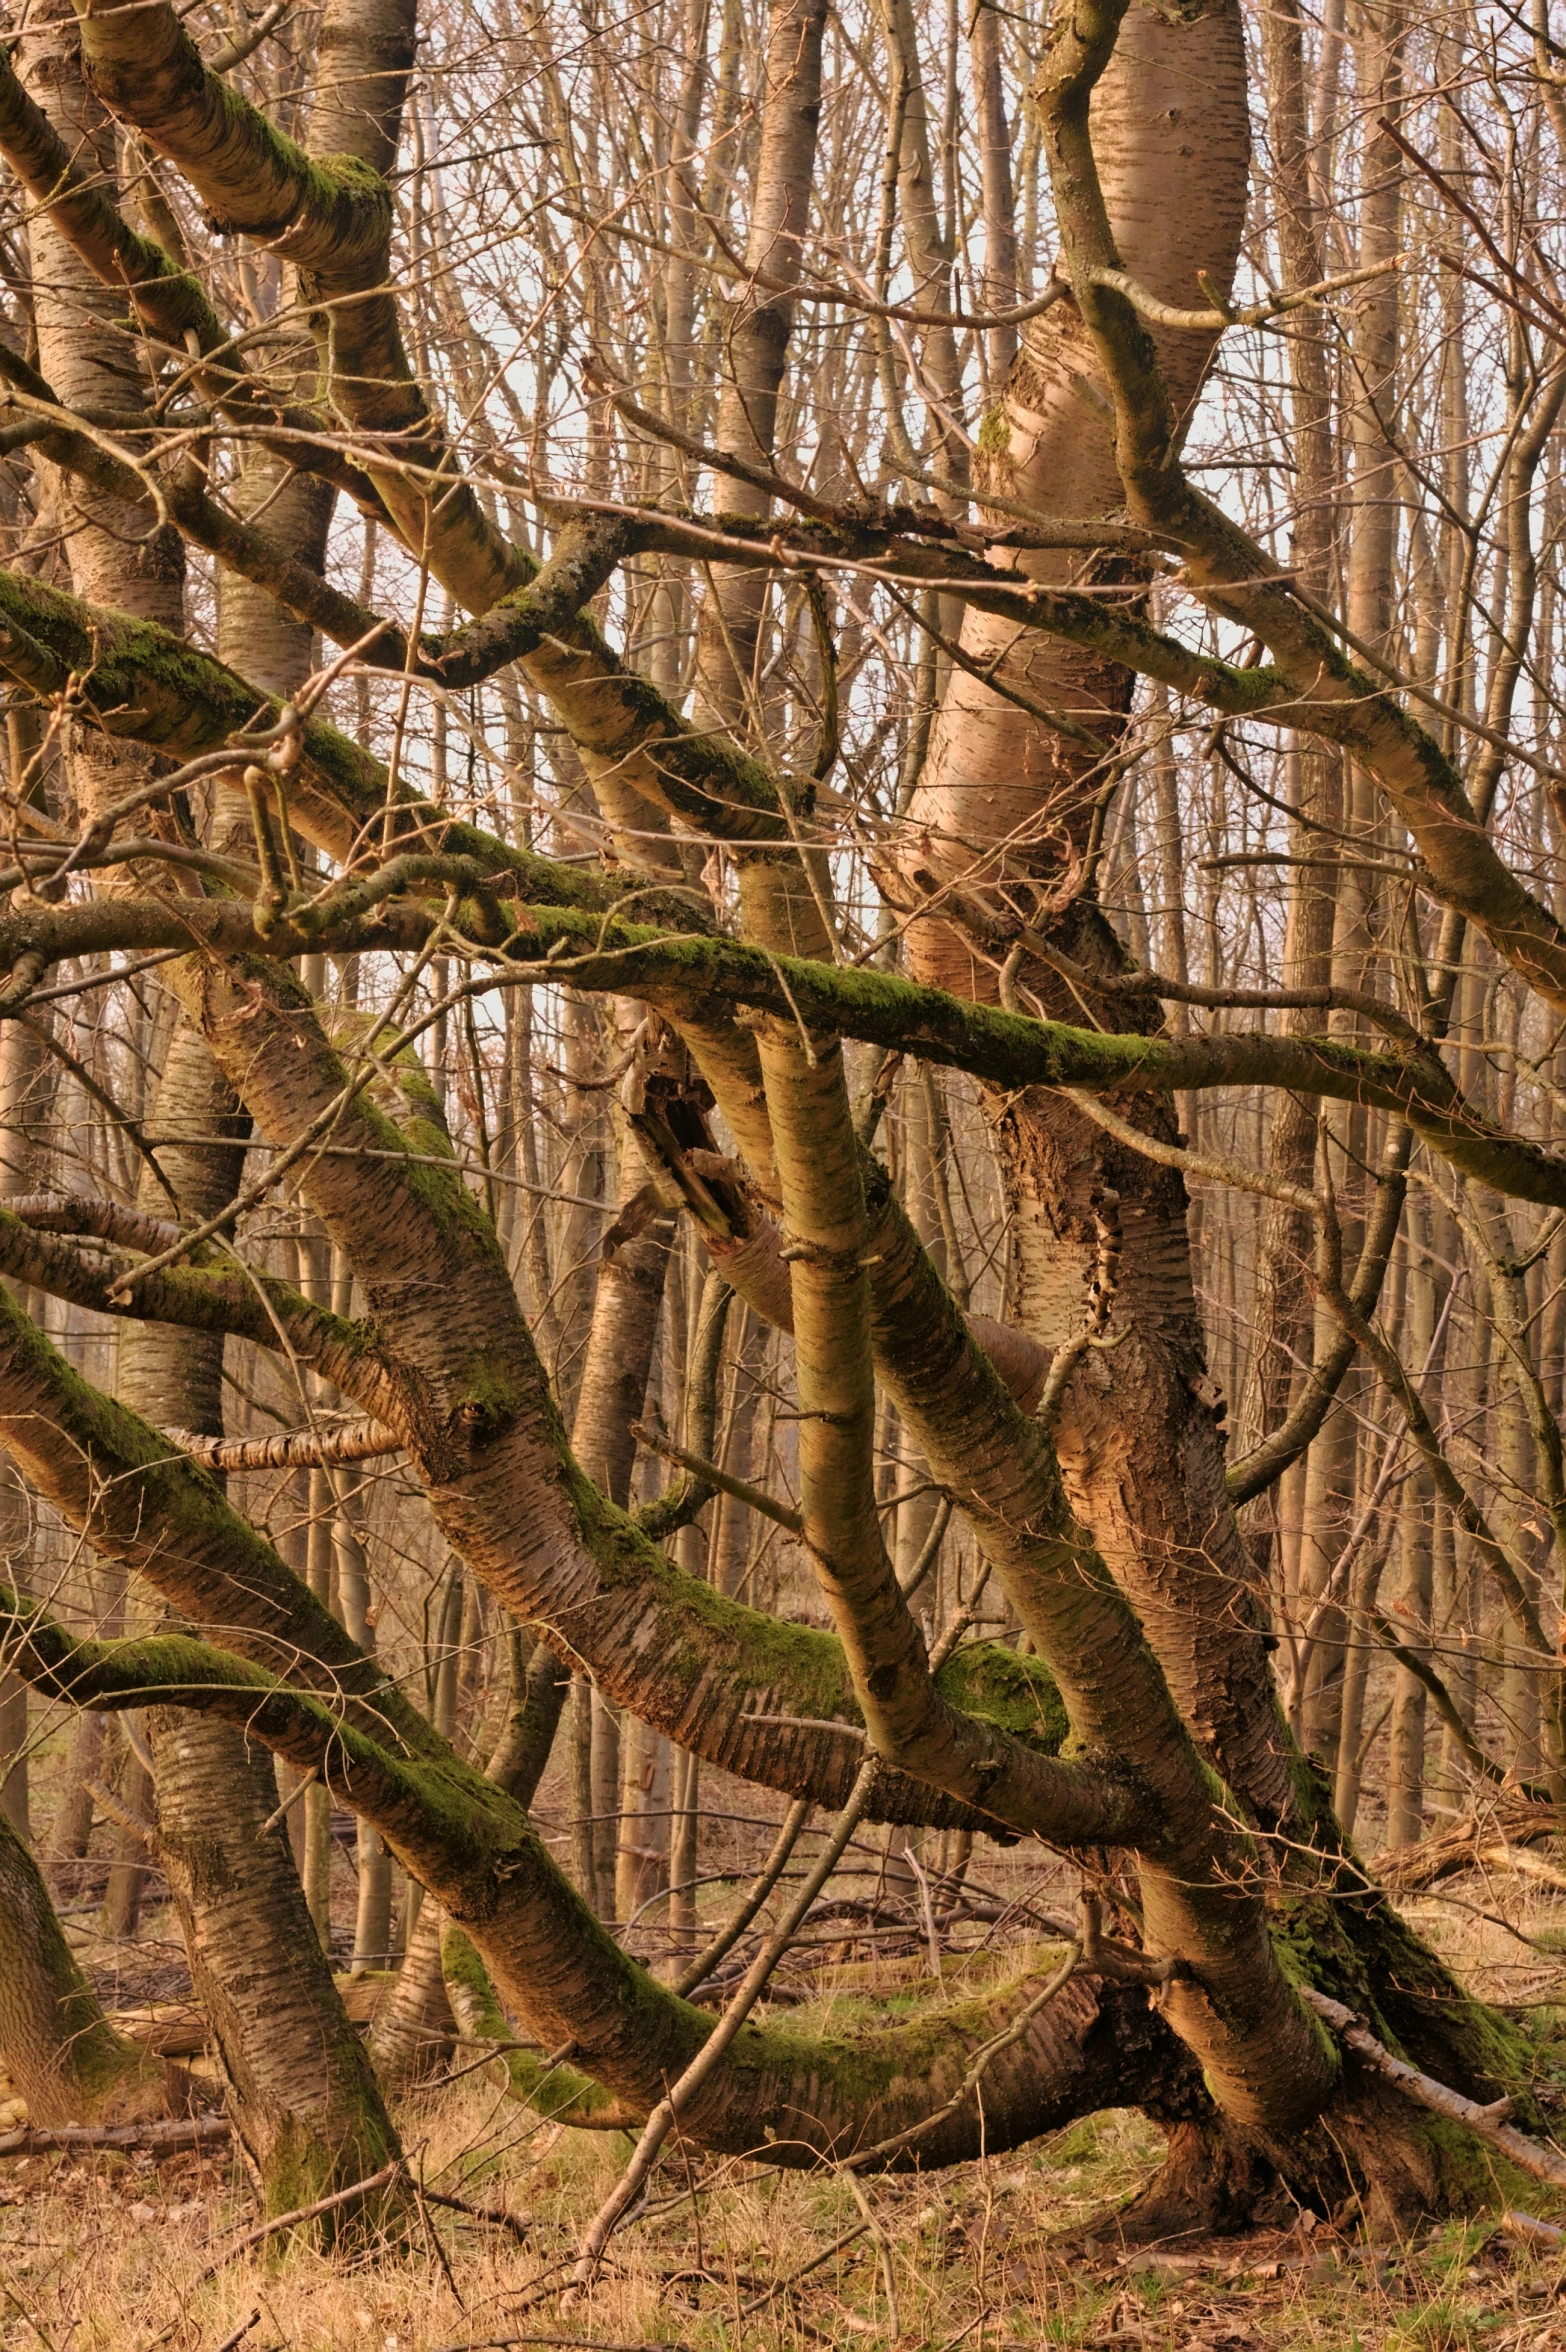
711 1666
240 1302
1267 1462
566 1978
696 979
168 301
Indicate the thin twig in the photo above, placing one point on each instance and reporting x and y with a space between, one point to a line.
750 1903
281 2221
519 2225
710 1474
752 1985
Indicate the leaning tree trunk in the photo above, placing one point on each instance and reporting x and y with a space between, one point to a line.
57 2048
306 2106
303 2094
414 2031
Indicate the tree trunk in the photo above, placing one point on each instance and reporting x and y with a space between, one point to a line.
27 1087
305 2102
1140 1441
59 2050
1281 1320
757 337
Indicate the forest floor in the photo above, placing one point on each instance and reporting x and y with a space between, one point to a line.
124 2252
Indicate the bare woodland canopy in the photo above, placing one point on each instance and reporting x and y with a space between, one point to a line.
785 965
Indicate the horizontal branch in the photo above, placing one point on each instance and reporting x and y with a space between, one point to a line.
291 1449
89 1213
707 977
242 1303
174 2137
563 1976
1252 314
704 978
161 693
881 526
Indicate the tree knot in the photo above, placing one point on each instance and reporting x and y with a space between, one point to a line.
843 1263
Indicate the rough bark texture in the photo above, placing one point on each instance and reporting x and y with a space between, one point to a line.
304 2097
1002 796
305 2103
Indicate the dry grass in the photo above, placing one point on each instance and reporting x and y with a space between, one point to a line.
113 2256
112 2253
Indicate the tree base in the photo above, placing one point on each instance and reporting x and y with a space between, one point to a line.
1373 2161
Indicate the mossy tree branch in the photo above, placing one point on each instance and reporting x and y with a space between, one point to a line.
714 1667
564 1976
698 980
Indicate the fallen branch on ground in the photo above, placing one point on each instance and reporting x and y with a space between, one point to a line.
566 2343
160 2139
520 2225
1513 1820
1530 2231
281 2221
